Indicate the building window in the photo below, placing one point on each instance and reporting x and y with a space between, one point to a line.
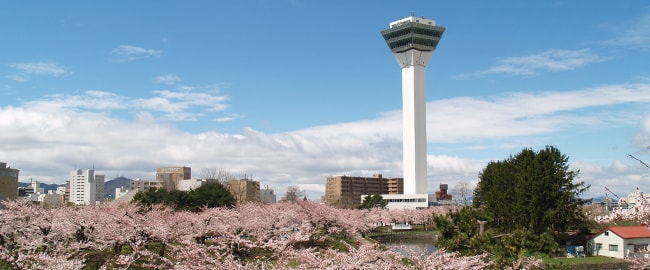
613 247
606 233
640 248
599 246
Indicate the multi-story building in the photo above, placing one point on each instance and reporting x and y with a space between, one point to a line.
99 187
83 187
66 191
8 182
170 176
345 191
143 185
190 184
63 191
394 185
267 195
32 191
36 187
51 199
121 191
244 190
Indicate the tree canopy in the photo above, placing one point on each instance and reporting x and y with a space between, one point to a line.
208 195
526 204
294 194
300 235
373 201
532 190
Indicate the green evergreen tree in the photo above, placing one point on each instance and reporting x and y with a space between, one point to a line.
208 195
372 201
460 232
533 191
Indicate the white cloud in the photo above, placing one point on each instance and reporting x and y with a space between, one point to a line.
46 138
125 53
40 68
175 106
169 79
25 70
230 117
509 115
633 34
621 176
522 114
185 100
642 138
533 64
17 77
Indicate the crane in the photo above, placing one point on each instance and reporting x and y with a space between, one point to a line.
612 192
635 158
621 202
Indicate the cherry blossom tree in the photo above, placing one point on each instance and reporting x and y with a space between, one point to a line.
640 212
274 236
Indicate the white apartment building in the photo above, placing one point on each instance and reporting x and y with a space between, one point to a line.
51 199
84 187
267 195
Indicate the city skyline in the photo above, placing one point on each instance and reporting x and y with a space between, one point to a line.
267 89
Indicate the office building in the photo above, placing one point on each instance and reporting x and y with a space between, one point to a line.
144 185
344 191
8 182
99 187
82 187
267 195
171 176
244 190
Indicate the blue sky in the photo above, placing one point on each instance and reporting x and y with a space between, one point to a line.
292 91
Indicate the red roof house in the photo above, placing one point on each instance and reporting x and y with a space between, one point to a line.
622 241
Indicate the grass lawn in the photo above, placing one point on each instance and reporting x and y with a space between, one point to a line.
585 260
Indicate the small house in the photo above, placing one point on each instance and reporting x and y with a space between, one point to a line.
621 242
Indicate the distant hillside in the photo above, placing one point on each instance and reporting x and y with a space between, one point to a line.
111 185
599 199
45 187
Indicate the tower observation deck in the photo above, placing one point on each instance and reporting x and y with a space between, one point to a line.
413 33
412 41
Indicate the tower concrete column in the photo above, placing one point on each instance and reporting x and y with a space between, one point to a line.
412 41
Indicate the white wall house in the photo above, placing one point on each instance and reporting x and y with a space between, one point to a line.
621 242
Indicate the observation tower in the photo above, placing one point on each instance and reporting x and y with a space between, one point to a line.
412 41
